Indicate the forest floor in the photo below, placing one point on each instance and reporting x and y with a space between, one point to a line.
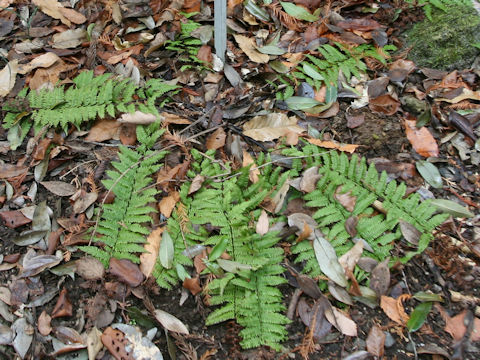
52 305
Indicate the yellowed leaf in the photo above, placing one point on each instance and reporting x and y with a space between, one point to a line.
149 258
254 172
248 47
272 126
52 9
393 308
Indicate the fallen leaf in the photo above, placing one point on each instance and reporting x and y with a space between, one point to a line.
455 325
384 104
254 172
315 316
451 207
339 293
248 47
351 257
342 322
52 9
170 322
351 225
262 223
168 203
24 336
376 341
149 257
72 15
309 179
355 121
422 141
410 232
63 307
126 271
328 261
104 129
271 126
44 326
138 118
418 316
393 308
328 144
169 118
7 78
193 285
430 173
44 61
90 268
196 184
14 218
59 188
380 278
347 200
216 140
69 39
83 200
115 341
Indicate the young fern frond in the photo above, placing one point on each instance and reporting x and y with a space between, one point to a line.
121 228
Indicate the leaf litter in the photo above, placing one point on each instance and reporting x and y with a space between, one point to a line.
417 119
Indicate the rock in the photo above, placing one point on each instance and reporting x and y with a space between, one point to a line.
446 41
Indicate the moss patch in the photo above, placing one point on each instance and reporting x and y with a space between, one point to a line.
446 42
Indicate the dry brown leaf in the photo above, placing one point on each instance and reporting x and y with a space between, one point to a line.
272 126
167 204
138 118
166 175
90 268
351 257
44 61
455 325
69 39
328 144
174 119
347 200
262 223
422 141
196 184
193 285
254 173
248 47
44 326
52 9
216 140
7 77
126 271
393 308
376 341
59 188
73 15
342 322
309 179
63 307
170 322
103 130
380 278
149 258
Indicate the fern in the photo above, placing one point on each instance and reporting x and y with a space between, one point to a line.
121 228
320 71
379 231
429 5
249 294
88 98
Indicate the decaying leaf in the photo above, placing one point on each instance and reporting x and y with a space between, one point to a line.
393 308
216 140
196 184
309 179
7 77
254 172
342 322
351 257
262 223
328 144
380 278
59 188
347 200
126 271
90 268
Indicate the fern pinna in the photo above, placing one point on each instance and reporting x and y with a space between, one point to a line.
121 228
339 174
88 98
245 285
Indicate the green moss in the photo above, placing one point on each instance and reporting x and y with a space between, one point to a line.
446 42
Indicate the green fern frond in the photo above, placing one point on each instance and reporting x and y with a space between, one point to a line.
89 97
121 228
